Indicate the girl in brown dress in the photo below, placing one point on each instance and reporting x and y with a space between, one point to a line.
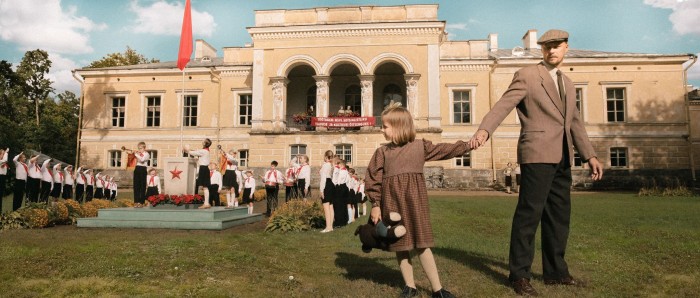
395 183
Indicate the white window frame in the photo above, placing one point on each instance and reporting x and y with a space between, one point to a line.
198 106
153 158
335 147
112 159
458 158
627 157
111 109
471 88
243 161
584 100
627 85
298 146
237 93
144 95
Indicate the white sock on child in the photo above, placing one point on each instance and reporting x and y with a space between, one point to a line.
228 200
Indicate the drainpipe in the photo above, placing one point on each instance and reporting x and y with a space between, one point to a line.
218 121
80 118
491 103
687 116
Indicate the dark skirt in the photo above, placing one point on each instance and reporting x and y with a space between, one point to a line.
328 191
56 190
230 179
340 207
509 181
151 191
89 191
351 198
246 196
203 178
99 193
67 191
214 198
114 195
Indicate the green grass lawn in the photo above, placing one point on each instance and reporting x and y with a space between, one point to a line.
620 245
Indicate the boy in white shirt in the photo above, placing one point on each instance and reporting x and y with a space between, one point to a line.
203 160
272 179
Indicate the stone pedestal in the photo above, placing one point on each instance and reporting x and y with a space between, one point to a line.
179 175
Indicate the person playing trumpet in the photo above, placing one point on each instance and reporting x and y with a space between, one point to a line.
140 172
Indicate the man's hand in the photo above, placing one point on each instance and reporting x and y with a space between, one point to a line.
478 139
596 169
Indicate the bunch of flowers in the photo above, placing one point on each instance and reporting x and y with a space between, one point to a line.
175 199
300 118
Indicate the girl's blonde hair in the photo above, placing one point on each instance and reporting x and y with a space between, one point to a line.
401 123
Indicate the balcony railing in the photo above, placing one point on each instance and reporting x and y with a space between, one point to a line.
306 125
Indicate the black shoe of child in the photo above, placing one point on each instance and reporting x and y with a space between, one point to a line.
408 292
443 294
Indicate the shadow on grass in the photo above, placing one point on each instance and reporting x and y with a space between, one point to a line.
368 268
477 262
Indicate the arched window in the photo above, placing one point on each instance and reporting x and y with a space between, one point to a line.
311 101
393 92
353 98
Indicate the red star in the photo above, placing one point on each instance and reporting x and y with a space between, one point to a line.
176 173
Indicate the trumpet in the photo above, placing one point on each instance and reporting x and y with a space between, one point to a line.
127 150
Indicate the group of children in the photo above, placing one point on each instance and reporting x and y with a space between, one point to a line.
40 181
341 192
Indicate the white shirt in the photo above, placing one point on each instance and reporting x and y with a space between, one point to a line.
89 179
99 182
46 175
239 179
215 178
290 175
68 177
249 183
142 158
232 162
351 183
326 172
3 164
79 176
21 169
203 155
34 170
273 176
113 186
305 173
342 177
153 181
57 174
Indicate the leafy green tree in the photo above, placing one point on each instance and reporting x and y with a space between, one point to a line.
59 127
129 57
33 69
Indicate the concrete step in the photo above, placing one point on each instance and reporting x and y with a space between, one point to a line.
216 218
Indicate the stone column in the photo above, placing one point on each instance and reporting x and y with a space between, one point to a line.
322 97
258 84
412 93
279 100
367 83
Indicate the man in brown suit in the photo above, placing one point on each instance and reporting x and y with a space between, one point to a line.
550 126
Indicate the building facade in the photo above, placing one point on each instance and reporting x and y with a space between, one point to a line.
322 60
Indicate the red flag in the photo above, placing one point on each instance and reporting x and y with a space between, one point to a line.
185 52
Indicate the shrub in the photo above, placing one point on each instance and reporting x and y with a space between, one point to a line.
35 217
259 195
296 215
13 220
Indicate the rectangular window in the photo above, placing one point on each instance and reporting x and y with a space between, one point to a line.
464 160
245 109
152 111
461 107
118 111
344 151
577 160
618 157
115 159
242 158
190 110
579 101
615 104
153 160
295 150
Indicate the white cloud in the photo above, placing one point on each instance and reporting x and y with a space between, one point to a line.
43 24
456 26
685 16
163 18
60 74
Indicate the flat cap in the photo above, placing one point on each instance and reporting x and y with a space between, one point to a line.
553 35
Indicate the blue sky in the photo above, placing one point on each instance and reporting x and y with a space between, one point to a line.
77 32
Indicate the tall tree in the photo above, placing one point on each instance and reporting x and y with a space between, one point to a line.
59 127
33 70
129 57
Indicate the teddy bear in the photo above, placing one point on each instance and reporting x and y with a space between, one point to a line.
382 234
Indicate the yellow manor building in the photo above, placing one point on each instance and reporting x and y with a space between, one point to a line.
327 60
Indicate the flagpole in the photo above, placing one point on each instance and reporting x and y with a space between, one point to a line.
183 56
182 109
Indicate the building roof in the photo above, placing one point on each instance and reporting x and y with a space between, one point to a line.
573 53
212 62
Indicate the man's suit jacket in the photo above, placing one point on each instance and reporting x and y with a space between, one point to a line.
542 117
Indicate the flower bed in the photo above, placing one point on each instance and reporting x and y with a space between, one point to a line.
177 200
62 212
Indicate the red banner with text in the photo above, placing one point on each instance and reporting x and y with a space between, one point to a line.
342 121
